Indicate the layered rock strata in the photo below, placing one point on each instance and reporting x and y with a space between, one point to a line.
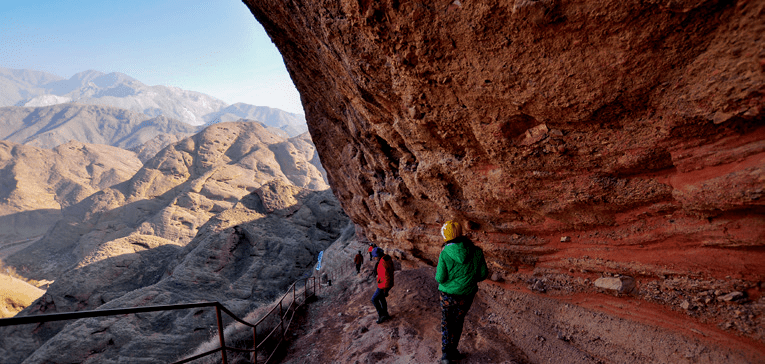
635 129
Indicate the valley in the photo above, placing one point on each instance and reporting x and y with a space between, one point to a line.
98 203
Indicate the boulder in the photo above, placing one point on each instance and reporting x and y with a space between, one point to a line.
733 296
621 284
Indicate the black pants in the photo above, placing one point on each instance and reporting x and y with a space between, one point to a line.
454 308
358 268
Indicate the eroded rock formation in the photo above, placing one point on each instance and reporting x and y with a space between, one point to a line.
173 194
37 184
633 128
243 257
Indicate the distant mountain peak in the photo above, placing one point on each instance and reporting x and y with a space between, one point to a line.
289 123
33 88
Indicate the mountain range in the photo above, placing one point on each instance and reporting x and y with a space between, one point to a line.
243 257
50 126
292 124
233 213
111 196
29 88
170 196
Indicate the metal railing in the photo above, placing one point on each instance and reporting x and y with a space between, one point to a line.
268 340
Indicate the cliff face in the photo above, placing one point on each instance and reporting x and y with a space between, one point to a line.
633 128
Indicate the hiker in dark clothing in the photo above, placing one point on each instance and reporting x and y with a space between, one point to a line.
358 260
461 265
384 283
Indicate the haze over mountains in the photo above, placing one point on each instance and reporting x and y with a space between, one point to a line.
31 88
50 126
292 124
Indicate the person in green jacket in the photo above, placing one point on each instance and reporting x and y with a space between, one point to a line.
461 265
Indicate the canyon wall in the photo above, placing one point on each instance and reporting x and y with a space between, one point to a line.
575 139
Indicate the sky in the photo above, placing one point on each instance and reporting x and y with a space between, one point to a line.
214 47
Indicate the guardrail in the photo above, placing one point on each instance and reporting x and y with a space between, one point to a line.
267 340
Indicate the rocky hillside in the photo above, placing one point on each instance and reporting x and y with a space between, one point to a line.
502 326
289 123
243 257
49 126
15 295
36 184
173 194
577 140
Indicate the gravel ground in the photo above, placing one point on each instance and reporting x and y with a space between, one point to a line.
506 324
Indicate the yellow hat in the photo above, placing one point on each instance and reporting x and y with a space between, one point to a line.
451 230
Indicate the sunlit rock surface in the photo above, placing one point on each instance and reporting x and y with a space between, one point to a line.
173 194
37 184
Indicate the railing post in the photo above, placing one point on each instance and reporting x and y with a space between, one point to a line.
220 334
255 344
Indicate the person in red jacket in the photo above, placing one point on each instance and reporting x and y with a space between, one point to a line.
384 284
358 260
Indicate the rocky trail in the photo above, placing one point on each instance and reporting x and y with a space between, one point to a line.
341 326
504 325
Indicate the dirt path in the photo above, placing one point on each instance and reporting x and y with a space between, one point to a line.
503 326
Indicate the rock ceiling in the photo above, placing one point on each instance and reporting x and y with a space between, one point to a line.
634 128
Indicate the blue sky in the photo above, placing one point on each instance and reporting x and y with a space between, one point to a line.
214 47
